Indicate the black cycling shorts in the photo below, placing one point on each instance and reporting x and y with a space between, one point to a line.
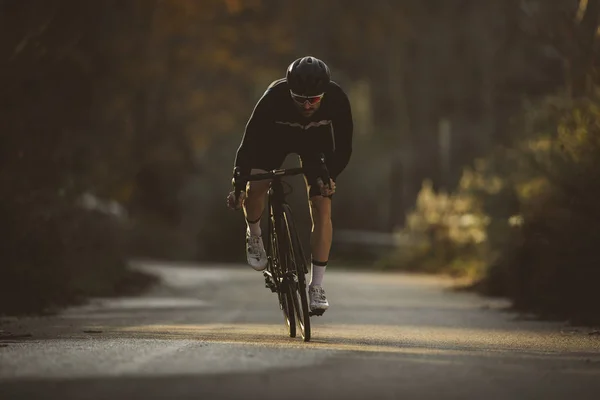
270 159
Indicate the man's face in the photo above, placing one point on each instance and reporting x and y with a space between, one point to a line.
307 105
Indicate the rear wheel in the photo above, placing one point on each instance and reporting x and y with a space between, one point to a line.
296 267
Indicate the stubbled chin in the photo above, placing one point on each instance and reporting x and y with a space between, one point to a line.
306 113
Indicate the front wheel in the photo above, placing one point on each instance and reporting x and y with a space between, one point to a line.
295 267
287 306
284 290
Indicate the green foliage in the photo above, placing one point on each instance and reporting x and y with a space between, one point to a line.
448 231
553 269
533 210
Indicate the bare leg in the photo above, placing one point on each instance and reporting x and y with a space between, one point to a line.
254 204
321 236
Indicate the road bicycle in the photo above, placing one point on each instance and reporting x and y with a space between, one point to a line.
287 265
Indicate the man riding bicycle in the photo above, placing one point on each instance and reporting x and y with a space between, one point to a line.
307 114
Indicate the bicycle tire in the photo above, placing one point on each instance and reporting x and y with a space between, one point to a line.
296 256
284 290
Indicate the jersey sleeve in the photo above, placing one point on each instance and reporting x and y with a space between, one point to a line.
253 134
343 128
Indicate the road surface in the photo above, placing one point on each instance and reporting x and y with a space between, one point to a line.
216 333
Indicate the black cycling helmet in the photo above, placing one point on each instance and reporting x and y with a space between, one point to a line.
308 76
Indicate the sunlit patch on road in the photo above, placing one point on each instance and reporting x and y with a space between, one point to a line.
382 338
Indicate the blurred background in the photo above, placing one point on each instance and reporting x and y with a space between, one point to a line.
476 147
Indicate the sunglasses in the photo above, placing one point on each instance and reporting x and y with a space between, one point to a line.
312 100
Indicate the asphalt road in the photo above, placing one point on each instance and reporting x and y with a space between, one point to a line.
216 333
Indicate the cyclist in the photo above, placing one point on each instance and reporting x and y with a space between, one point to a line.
305 113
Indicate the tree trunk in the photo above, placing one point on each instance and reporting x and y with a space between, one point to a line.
581 63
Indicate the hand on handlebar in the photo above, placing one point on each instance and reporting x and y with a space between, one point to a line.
326 190
235 198
235 203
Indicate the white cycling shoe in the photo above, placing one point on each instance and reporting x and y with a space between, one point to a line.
317 299
255 252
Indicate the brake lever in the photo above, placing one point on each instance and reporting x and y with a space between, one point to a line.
237 177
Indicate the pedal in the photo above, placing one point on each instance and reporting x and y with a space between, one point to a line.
317 313
269 283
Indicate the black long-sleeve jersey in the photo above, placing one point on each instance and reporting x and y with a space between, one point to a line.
276 128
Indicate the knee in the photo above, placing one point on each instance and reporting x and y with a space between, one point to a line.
321 209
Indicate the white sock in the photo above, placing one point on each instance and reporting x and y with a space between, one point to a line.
254 228
317 273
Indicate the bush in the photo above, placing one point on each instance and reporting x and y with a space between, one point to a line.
554 269
449 231
523 219
55 254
